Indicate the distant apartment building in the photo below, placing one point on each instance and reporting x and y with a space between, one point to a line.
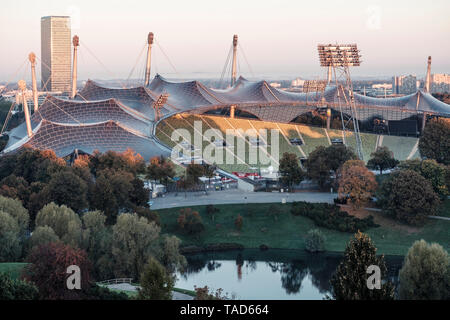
275 84
297 82
440 83
382 86
55 54
404 84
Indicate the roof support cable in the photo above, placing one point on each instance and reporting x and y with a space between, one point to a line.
100 62
227 61
246 60
167 57
136 63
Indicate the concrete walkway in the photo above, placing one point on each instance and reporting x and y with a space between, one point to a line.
237 196
129 287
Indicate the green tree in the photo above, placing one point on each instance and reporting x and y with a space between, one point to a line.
382 159
425 274
10 243
42 235
11 289
65 223
350 280
435 141
194 171
315 241
134 240
156 283
16 210
171 258
290 170
323 162
112 192
431 170
97 241
408 197
66 188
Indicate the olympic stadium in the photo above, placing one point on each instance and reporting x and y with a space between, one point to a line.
143 119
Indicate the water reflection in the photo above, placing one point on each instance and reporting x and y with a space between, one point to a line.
271 274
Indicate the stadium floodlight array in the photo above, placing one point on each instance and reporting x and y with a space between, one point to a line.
339 55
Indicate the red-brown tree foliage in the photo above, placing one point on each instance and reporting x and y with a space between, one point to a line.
48 270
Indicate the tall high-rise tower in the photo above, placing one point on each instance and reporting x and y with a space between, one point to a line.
56 53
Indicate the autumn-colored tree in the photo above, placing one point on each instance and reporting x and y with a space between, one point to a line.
357 183
37 165
435 140
47 269
190 221
382 159
160 169
408 197
239 222
128 161
350 280
15 187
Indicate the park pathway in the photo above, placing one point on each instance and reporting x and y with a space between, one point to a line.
234 196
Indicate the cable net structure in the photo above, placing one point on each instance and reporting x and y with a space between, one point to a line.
103 118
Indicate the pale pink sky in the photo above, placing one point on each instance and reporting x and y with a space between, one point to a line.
279 37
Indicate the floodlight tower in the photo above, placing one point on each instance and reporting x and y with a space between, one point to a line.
233 68
22 87
32 58
149 58
340 57
76 43
428 79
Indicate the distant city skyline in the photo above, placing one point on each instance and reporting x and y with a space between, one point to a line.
279 38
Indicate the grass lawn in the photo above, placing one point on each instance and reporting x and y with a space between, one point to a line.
445 209
288 231
13 269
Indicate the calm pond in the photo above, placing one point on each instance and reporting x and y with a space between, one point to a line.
272 274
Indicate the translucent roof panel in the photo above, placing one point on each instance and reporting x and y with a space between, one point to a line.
78 112
64 139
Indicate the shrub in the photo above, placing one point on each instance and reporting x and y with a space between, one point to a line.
330 217
315 241
206 294
11 289
190 221
211 211
239 222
